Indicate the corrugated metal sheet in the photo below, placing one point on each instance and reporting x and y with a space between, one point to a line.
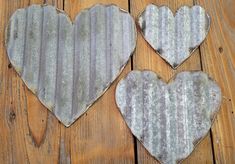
69 65
169 119
174 38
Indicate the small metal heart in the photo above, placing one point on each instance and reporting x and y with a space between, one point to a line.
69 65
174 38
168 119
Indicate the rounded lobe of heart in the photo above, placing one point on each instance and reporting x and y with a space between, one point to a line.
168 119
174 38
69 65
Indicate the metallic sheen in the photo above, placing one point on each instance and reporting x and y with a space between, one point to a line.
69 65
168 119
174 38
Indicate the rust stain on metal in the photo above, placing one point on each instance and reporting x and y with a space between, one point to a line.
168 119
174 38
69 65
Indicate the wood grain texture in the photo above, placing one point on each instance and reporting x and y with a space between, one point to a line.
29 133
218 59
146 58
101 134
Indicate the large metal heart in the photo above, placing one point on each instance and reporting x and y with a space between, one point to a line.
174 38
169 119
69 65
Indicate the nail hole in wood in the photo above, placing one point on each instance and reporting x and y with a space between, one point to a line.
221 49
12 116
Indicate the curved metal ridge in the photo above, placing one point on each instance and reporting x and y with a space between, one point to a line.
69 65
174 38
168 119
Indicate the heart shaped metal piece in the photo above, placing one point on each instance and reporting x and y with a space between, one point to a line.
168 119
69 65
174 38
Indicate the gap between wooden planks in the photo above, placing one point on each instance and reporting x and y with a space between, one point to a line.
31 134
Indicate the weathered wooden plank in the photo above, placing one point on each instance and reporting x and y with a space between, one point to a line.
100 135
11 101
31 134
219 61
145 58
31 137
44 128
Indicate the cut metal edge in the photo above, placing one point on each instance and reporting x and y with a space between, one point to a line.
167 82
174 13
77 116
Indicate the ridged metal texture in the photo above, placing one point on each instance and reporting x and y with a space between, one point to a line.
169 119
174 38
69 65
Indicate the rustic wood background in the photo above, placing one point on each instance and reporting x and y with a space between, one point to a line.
29 133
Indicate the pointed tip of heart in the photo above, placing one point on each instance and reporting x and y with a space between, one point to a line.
67 123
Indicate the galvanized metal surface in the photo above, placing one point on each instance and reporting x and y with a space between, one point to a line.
169 119
174 38
69 65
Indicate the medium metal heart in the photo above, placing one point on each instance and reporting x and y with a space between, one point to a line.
168 119
69 65
174 38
